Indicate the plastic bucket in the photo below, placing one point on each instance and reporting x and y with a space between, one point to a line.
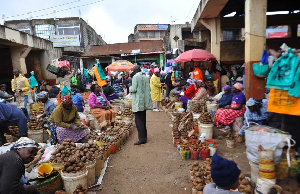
58 166
71 180
178 105
113 149
194 155
254 172
36 135
210 141
185 154
212 107
205 154
238 123
230 143
206 128
91 173
213 150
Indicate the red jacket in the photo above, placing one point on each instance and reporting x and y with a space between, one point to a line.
191 91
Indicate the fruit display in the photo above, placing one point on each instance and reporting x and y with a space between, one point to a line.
244 185
205 118
200 175
63 152
197 106
80 190
73 164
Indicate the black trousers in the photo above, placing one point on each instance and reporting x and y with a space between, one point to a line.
140 121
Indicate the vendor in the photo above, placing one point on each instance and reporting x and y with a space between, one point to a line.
197 73
201 91
256 112
78 100
12 167
189 93
118 88
65 122
227 115
4 95
100 107
225 174
49 105
12 116
109 92
226 97
211 89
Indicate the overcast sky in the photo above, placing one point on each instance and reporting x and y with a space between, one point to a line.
113 19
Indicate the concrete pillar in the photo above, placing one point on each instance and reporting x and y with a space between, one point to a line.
214 25
18 55
255 41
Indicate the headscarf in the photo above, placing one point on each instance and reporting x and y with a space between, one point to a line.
190 81
238 86
224 172
209 77
227 87
42 95
251 102
66 99
25 142
145 66
3 85
156 70
117 81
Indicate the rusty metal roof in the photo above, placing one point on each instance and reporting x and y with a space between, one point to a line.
125 48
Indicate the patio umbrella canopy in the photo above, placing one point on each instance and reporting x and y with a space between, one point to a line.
120 65
195 55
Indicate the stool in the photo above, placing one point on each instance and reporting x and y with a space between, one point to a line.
237 124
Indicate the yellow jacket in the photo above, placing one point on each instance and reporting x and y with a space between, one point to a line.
25 84
155 86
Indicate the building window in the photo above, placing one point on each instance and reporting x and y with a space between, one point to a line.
151 34
156 34
143 34
231 34
277 32
45 31
162 34
68 29
24 29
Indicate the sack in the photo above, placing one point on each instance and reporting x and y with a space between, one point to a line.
260 70
257 135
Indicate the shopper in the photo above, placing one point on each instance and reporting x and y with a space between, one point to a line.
20 86
155 86
141 101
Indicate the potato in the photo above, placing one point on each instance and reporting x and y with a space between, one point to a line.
69 169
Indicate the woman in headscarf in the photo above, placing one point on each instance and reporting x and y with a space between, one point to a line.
211 89
256 112
12 168
201 92
227 115
49 105
100 107
189 93
66 122
226 98
155 86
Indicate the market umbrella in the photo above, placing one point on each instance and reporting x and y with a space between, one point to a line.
195 55
120 65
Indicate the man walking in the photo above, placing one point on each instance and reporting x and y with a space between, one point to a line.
20 86
141 101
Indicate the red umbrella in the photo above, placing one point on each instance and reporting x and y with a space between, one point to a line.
195 55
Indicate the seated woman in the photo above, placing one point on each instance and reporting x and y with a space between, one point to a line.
256 112
49 105
65 122
201 92
189 93
118 88
227 115
211 89
100 107
78 100
109 93
226 97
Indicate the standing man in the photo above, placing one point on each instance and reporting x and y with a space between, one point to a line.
141 101
20 86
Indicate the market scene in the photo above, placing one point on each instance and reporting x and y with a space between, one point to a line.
207 105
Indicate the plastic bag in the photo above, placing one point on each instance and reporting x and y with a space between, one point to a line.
260 70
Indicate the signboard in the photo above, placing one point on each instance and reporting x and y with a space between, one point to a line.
65 40
162 27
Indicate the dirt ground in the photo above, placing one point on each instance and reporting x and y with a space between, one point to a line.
156 167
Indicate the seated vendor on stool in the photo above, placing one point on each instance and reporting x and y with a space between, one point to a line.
49 105
256 112
201 92
109 92
227 115
65 122
226 97
225 174
189 93
12 168
100 107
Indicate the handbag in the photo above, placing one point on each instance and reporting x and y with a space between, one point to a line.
261 69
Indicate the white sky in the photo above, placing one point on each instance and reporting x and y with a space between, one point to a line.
113 19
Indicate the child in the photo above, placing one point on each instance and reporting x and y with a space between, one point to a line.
225 175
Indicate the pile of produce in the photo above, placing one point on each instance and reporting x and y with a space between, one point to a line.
63 152
198 146
14 130
244 185
60 192
80 190
197 106
182 124
33 124
205 118
127 112
164 102
200 175
229 136
73 165
87 152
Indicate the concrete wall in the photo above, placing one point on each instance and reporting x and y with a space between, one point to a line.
232 51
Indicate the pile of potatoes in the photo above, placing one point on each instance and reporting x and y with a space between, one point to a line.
197 106
244 185
74 164
127 112
10 138
80 190
33 124
200 175
87 152
229 136
14 129
198 146
205 118
63 152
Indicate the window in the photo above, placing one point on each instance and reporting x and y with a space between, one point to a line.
162 34
231 34
156 34
277 32
68 29
151 34
45 31
143 34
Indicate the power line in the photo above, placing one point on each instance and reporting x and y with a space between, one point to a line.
43 9
190 10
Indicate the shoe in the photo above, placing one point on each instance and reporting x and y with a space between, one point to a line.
155 110
139 142
160 110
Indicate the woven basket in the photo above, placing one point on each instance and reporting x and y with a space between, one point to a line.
50 185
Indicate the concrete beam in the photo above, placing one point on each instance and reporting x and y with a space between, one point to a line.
18 55
255 42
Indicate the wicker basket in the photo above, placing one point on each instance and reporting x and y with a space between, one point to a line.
50 185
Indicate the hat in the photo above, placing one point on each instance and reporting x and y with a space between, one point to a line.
224 172
238 86
156 70
42 95
66 99
250 102
145 66
227 87
25 142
